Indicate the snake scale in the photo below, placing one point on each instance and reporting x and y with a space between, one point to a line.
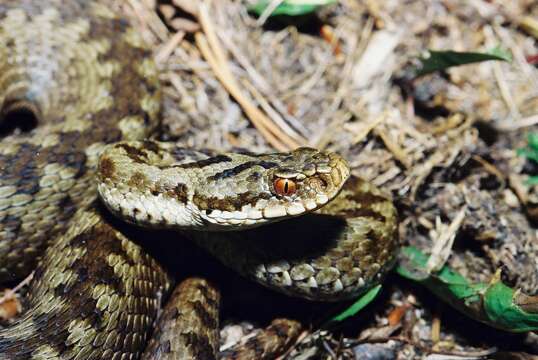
79 97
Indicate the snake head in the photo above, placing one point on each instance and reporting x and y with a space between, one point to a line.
161 185
272 187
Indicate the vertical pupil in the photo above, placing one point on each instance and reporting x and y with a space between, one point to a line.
285 186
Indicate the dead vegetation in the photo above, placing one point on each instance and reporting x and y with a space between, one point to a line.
444 144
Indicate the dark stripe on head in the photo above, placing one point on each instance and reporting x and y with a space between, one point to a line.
133 153
203 163
180 154
151 146
240 168
228 203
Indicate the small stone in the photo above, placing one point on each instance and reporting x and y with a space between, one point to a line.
373 352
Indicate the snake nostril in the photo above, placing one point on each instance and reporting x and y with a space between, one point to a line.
18 117
319 183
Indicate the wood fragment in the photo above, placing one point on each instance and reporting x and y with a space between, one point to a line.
394 148
396 315
530 26
436 329
443 241
164 52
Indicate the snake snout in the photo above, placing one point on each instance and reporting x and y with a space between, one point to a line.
329 178
315 179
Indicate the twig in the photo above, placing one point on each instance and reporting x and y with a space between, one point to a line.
299 339
369 126
501 80
164 53
212 51
394 148
489 167
442 245
521 123
436 328
249 109
268 11
261 85
150 19
275 116
11 292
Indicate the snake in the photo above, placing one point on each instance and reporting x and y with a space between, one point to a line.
84 185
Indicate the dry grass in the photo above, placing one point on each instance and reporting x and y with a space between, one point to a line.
339 82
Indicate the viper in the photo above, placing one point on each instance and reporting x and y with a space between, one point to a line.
80 104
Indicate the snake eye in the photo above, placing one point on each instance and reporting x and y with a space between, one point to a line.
284 187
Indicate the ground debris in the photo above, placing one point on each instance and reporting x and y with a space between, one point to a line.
439 143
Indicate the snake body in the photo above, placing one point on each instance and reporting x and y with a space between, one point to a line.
84 84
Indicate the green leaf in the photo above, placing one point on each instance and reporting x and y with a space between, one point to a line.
533 180
501 53
412 265
358 305
504 313
290 7
528 153
441 60
491 303
532 139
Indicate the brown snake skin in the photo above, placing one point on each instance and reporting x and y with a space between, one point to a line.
74 77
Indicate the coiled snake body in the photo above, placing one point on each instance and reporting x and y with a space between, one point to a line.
74 78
